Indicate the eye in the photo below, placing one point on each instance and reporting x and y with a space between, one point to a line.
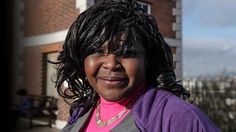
127 53
100 52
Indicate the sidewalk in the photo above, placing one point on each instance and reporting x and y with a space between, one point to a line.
37 129
23 126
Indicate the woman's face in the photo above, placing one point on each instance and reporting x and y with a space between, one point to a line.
115 77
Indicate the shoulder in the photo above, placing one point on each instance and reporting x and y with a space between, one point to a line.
163 110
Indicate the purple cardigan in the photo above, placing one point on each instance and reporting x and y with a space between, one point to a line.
156 111
162 111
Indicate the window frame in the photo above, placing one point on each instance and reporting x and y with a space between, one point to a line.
145 4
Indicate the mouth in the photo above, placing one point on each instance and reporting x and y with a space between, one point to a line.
113 81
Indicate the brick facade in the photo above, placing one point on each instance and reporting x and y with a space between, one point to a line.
32 70
46 16
162 11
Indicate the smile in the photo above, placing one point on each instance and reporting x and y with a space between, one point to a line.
113 81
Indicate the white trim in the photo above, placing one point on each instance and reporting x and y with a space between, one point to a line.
178 34
82 5
176 11
60 36
178 56
177 26
173 42
60 124
178 4
44 39
178 19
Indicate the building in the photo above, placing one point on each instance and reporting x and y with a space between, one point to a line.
216 96
41 27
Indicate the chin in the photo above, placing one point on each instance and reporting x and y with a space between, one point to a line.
112 98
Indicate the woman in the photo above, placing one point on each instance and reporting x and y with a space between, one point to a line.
120 75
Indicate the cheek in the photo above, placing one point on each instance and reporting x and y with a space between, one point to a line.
135 69
90 66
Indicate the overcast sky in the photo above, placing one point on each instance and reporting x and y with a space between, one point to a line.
209 36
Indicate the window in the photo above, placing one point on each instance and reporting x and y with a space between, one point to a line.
145 6
49 74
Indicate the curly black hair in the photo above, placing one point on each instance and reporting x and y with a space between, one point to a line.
100 23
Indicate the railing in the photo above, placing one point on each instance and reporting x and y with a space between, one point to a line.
42 108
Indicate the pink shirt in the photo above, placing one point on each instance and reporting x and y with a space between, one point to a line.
109 110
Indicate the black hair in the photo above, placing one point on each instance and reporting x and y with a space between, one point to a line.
100 23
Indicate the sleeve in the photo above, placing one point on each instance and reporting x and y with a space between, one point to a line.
182 116
191 121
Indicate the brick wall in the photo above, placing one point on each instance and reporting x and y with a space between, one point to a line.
46 16
162 11
32 70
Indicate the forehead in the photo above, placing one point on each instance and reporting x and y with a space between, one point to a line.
117 40
120 40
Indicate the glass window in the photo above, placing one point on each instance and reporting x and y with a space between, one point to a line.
145 6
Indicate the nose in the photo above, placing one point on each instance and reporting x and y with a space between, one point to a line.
112 62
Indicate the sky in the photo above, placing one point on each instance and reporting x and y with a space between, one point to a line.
209 36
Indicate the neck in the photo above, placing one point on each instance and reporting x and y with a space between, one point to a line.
125 101
107 110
